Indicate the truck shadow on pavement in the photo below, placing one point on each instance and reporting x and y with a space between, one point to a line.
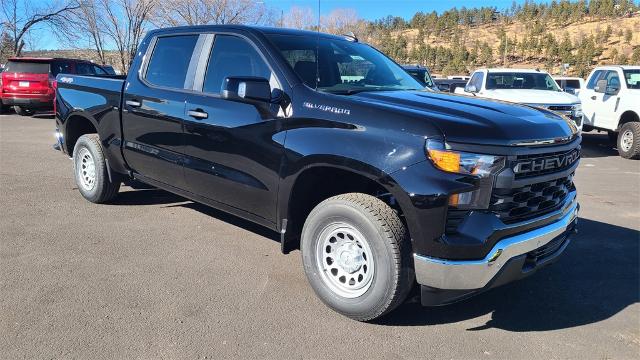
595 145
596 277
147 195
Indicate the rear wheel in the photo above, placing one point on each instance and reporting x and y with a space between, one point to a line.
629 140
90 170
356 256
22 111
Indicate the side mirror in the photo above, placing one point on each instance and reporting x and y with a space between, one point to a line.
601 86
471 89
247 89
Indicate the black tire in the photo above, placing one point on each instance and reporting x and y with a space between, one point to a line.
629 132
100 189
23 111
388 241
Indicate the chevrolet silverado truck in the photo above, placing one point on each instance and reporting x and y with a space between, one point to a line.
379 182
524 86
611 103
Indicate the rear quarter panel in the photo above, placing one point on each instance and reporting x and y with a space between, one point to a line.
98 100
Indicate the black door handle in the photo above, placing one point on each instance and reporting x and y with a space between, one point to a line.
593 97
133 103
198 114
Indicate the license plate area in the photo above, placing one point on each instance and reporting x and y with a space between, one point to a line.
23 84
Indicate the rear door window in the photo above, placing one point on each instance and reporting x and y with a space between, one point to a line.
62 67
170 60
98 70
27 67
84 68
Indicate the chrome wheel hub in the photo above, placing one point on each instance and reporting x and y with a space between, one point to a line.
344 260
350 257
626 140
86 169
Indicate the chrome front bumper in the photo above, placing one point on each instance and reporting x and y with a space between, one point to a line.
476 274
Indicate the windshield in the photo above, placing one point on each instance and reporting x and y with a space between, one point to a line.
632 77
519 80
344 67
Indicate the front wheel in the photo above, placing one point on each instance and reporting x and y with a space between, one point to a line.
356 255
90 170
629 140
22 111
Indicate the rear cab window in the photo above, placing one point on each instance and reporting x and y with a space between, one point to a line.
31 67
169 62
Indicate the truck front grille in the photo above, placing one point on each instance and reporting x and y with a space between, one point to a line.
537 162
560 108
519 204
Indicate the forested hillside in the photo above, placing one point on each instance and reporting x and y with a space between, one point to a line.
580 33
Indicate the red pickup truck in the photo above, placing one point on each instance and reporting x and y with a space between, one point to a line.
28 84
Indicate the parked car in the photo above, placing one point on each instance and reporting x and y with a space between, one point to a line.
421 74
378 181
611 102
572 85
28 83
524 86
449 85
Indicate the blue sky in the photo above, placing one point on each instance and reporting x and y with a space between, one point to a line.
375 9
367 9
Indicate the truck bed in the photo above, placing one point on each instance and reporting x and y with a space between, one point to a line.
97 98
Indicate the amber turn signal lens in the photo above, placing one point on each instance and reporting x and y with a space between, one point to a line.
445 160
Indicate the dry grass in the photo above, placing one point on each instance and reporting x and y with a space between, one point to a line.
489 34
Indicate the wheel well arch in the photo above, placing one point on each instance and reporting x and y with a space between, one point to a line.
76 126
315 184
628 116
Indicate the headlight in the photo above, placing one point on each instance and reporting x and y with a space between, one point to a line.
577 110
483 166
462 162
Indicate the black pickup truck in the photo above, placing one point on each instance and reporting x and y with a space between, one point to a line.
379 182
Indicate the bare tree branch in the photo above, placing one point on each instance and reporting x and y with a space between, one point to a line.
19 17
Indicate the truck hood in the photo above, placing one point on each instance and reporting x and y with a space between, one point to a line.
525 96
474 120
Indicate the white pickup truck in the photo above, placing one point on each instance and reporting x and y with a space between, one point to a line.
611 102
524 86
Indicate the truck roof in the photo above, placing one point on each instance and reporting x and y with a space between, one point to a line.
46 59
256 29
513 70
623 67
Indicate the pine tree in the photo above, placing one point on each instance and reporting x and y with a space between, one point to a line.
635 57
628 36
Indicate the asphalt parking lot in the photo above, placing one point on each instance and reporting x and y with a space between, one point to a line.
156 276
